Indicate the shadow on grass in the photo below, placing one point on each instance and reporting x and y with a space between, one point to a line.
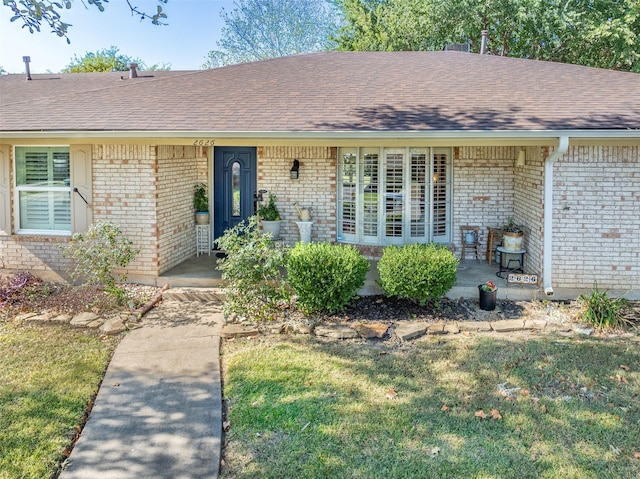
304 408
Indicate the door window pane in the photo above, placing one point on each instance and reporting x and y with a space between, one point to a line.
370 202
393 194
235 188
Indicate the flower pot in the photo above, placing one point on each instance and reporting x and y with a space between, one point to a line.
272 227
487 298
512 241
202 218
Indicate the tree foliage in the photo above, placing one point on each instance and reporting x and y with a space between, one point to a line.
599 33
261 29
33 14
107 60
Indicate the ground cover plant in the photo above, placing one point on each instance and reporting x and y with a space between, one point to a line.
482 406
48 377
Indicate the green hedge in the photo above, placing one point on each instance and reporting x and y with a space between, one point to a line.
417 271
324 276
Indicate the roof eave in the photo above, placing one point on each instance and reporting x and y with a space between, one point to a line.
426 135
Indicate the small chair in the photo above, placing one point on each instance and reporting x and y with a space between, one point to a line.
494 239
470 236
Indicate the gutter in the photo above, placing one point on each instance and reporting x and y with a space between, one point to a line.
547 239
485 135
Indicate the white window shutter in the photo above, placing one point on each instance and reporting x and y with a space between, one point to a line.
5 189
81 178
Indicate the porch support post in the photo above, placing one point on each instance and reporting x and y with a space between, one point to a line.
547 238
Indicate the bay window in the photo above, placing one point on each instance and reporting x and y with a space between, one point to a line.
394 195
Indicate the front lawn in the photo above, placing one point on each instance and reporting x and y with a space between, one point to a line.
48 376
479 406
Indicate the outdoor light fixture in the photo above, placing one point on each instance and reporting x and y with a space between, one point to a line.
522 155
295 170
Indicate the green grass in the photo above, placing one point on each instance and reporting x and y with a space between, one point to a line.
48 375
307 409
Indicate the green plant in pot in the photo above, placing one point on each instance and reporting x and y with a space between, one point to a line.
512 235
270 217
201 203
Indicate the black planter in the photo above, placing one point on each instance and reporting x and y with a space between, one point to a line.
487 299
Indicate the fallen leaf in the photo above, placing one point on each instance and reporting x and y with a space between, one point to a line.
524 392
636 455
495 415
226 425
543 408
625 367
391 394
444 408
535 400
481 414
622 379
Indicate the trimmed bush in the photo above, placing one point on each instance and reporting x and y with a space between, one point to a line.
325 277
252 267
602 311
420 272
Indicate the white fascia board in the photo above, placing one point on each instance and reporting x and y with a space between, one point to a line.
338 135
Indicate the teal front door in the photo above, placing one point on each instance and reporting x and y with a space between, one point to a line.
234 185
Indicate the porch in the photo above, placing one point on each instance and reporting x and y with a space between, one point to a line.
201 272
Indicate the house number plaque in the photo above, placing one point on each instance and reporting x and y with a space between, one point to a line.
203 142
522 278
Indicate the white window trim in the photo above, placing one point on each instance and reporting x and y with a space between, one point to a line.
381 239
17 189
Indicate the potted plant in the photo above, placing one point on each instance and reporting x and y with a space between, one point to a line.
201 203
488 293
512 235
270 217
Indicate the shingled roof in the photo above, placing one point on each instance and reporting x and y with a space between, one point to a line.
331 92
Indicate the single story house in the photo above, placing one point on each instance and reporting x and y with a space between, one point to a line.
392 148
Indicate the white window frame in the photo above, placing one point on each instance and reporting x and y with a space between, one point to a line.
359 237
29 188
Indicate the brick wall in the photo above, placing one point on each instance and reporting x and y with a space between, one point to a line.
179 169
596 218
125 193
315 188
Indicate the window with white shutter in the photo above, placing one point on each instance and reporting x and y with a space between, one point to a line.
43 189
394 195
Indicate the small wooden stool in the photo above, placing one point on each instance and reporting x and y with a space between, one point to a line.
466 232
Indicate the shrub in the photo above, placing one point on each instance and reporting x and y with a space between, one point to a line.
417 271
97 253
602 311
252 268
324 276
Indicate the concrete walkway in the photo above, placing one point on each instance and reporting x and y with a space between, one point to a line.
158 413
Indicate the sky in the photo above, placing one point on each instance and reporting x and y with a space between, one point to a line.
194 27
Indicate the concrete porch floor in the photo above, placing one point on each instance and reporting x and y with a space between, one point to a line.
201 272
